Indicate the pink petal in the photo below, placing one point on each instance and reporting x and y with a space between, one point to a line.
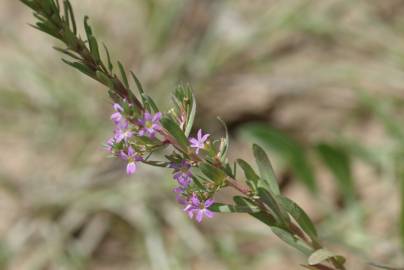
193 141
157 117
148 116
208 203
131 168
199 216
205 137
118 107
199 134
209 213
130 151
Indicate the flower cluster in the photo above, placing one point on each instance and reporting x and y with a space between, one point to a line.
124 143
128 144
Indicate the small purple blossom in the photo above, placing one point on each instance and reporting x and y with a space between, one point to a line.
197 209
123 132
199 142
150 124
132 157
117 115
110 144
182 173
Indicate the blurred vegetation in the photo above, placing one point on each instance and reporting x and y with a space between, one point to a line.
320 83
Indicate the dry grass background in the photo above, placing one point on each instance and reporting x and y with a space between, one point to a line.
316 70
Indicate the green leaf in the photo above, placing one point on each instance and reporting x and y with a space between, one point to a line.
300 216
339 163
290 151
261 216
81 67
191 114
224 144
213 173
138 84
71 13
266 170
123 75
273 205
322 255
292 241
67 52
250 175
110 66
44 28
104 79
94 49
87 27
175 131
184 96
226 208
149 104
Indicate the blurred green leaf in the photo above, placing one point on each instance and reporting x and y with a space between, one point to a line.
261 216
291 151
123 75
300 216
224 144
185 96
149 104
175 131
94 49
213 173
250 175
339 163
322 255
292 241
272 203
81 67
267 174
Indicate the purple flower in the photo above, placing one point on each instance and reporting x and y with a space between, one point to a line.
132 157
198 209
110 144
182 173
117 115
150 124
123 132
199 142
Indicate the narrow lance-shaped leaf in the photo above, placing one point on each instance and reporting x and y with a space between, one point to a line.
191 115
288 238
94 49
149 103
213 173
224 144
72 18
266 170
250 175
339 164
264 217
110 66
123 75
81 67
300 216
138 83
175 131
272 203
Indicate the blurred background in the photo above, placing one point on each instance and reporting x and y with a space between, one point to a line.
320 84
